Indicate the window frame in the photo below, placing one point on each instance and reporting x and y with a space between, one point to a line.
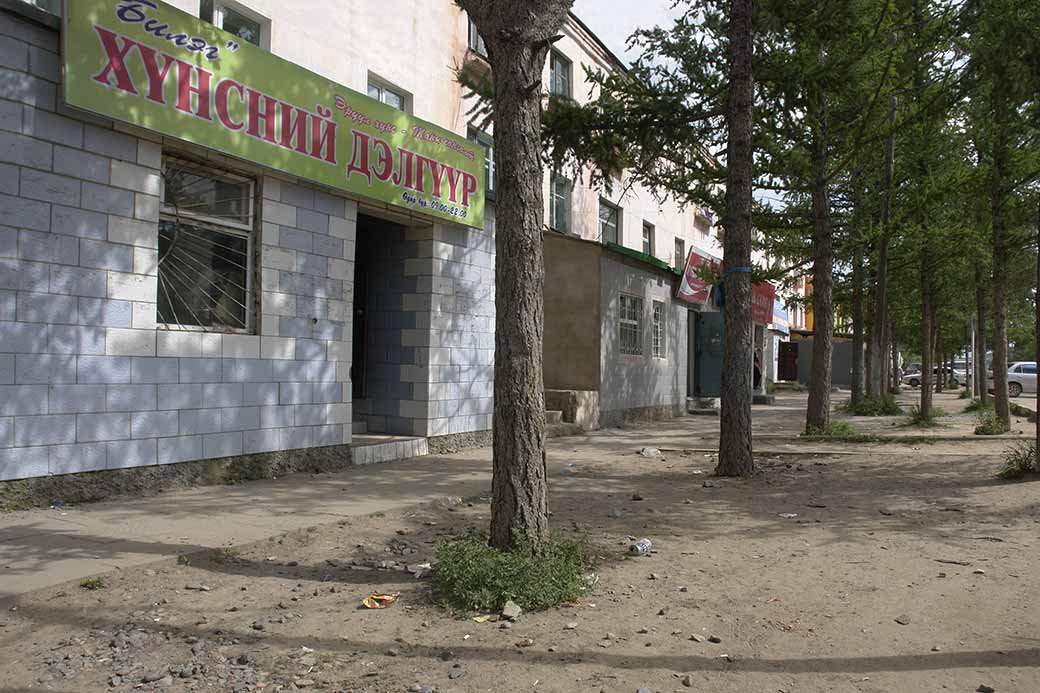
627 323
680 258
384 86
221 226
487 142
220 7
618 220
648 238
553 179
659 321
556 57
474 41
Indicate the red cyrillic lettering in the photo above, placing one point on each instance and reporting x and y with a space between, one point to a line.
469 186
223 96
156 77
384 159
185 89
453 183
436 170
359 159
323 136
294 128
404 169
267 113
116 61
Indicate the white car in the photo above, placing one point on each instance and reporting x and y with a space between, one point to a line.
1021 378
914 379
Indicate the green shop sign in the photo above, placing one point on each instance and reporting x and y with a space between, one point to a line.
151 65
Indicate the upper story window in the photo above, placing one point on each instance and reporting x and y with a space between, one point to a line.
560 76
609 223
560 203
679 260
476 41
206 271
486 141
388 94
648 238
236 20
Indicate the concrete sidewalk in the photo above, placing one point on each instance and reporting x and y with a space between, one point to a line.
42 548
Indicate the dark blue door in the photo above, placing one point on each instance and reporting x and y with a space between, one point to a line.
708 334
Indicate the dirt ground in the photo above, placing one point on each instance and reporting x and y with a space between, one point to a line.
868 567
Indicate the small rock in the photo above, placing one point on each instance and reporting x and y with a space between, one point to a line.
688 681
978 571
637 497
936 648
644 690
186 672
525 642
258 626
197 587
153 676
166 681
456 672
242 659
650 453
985 689
505 625
697 637
643 631
573 625
708 484
393 652
551 648
683 589
511 610
611 636
654 576
903 620
662 611
715 639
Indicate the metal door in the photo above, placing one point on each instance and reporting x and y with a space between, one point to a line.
708 334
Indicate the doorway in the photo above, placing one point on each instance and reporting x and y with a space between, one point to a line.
707 365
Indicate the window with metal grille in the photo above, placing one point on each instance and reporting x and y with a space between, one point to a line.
630 325
559 203
609 222
488 143
658 333
205 249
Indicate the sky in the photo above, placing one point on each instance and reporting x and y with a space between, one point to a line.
615 20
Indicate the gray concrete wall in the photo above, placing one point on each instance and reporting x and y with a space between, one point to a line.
572 314
841 362
640 382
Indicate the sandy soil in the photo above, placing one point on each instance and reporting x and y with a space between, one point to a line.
907 568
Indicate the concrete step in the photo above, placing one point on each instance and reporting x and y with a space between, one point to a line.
358 427
553 417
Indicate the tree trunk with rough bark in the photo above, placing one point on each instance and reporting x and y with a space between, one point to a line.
818 411
735 445
980 334
927 347
876 383
857 328
518 36
1001 156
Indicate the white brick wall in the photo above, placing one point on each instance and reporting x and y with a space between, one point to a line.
87 381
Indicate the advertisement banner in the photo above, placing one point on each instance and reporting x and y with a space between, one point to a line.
763 295
781 319
692 288
149 64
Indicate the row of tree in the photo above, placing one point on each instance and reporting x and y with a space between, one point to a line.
893 147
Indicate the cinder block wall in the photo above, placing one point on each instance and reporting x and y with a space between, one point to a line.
87 381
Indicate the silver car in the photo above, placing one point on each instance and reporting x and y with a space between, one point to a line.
914 379
1021 378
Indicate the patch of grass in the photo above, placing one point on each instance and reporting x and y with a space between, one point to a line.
885 406
470 575
989 424
977 405
918 419
964 394
1019 461
1024 412
836 431
93 583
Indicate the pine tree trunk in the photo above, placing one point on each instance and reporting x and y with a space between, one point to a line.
818 411
735 451
517 36
980 334
999 283
857 328
926 334
894 389
940 378
877 343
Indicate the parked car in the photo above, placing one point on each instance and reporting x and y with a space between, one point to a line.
913 379
1021 378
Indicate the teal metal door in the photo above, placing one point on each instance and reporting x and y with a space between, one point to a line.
708 356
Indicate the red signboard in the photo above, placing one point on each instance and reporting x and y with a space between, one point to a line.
692 288
762 297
